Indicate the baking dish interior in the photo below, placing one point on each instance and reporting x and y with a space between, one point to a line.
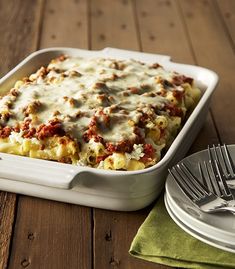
205 79
109 189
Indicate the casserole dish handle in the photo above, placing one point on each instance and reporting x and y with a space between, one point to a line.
37 171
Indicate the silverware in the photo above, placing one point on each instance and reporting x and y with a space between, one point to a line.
213 178
222 156
197 192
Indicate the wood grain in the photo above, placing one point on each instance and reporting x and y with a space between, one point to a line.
213 50
114 231
113 234
113 24
57 235
227 12
50 234
19 26
163 31
65 23
7 214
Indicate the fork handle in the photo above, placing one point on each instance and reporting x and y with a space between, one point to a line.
228 208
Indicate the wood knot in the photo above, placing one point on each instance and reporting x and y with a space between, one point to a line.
123 26
99 12
51 11
189 14
31 236
168 3
79 23
25 263
108 236
227 15
144 14
114 262
102 37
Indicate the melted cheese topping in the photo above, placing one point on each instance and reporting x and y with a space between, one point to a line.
54 93
75 91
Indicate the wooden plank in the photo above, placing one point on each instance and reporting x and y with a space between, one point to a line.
50 234
227 11
65 23
19 25
7 215
113 234
113 24
114 231
19 31
213 49
163 31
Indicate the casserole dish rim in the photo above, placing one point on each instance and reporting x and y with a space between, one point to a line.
125 54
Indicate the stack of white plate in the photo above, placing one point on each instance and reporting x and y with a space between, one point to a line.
216 229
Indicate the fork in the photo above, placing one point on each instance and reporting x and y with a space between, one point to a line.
213 178
222 156
203 198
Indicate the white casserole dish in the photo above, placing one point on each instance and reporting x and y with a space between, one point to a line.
116 190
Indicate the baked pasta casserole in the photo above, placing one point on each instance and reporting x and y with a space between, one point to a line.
97 112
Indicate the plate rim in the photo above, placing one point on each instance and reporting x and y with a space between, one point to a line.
200 222
206 231
195 234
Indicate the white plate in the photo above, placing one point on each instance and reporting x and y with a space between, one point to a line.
219 226
202 229
197 234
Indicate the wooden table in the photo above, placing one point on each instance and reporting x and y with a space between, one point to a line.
36 233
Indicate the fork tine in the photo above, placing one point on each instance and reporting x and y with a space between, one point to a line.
209 150
221 152
223 157
202 175
214 181
223 187
196 192
183 186
212 153
214 178
206 177
230 167
193 180
211 183
216 153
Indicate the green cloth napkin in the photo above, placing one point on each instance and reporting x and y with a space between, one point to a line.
160 240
